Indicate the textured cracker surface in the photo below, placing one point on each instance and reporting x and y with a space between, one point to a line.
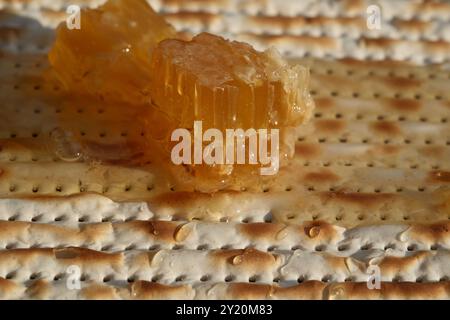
369 184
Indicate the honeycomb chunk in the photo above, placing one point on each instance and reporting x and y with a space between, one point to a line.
109 56
227 84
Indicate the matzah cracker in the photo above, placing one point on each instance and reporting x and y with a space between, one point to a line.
42 289
369 184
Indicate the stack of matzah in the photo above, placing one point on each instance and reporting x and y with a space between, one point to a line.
368 188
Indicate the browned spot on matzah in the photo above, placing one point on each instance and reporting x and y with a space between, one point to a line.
153 290
321 176
386 127
404 105
388 149
394 265
413 24
331 126
432 151
447 103
402 83
260 230
249 291
99 292
377 42
163 230
431 232
437 45
320 230
92 231
307 150
86 255
307 290
39 289
6 287
299 21
324 103
284 22
363 199
354 6
439 176
12 228
443 201
413 290
25 254
389 290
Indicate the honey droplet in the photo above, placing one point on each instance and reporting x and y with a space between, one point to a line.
64 145
156 257
153 228
313 231
337 293
182 232
238 259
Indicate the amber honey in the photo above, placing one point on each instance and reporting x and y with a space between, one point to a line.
227 84
126 54
109 56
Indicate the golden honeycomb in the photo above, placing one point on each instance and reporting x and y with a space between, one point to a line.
228 84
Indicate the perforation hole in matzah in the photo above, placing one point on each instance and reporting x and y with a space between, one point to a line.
371 169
